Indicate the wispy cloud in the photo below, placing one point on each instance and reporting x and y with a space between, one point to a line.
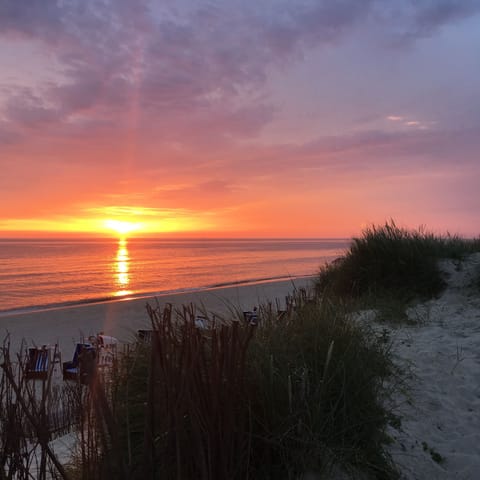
409 122
212 61
405 22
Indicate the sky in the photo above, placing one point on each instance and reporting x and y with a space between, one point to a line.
238 118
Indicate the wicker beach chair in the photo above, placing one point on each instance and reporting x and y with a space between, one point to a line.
201 322
83 364
38 362
251 317
106 347
144 335
42 362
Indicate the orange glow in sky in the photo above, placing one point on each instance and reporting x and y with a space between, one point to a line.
240 128
120 221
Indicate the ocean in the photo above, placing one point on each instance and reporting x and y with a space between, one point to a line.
40 274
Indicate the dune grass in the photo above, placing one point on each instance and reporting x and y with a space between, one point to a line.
389 260
318 381
181 400
299 393
295 394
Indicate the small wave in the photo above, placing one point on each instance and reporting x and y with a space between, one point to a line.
56 305
257 280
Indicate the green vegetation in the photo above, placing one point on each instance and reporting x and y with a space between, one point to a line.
296 394
392 261
182 401
319 385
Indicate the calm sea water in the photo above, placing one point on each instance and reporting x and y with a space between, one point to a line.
43 273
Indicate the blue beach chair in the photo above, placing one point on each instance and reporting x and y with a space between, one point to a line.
251 317
81 367
38 362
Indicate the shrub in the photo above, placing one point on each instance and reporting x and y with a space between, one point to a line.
294 394
392 259
297 393
319 384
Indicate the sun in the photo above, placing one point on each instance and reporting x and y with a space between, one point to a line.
122 227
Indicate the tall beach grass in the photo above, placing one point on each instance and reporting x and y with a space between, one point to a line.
301 393
392 261
298 393
318 382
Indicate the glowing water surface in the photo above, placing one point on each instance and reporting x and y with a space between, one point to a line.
38 273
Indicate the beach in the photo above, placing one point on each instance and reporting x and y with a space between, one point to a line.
122 318
438 430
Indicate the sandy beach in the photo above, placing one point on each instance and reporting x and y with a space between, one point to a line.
122 319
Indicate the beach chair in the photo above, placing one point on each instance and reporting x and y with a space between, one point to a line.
38 362
83 364
144 335
251 317
106 347
201 322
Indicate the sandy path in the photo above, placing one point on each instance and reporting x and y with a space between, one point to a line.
439 437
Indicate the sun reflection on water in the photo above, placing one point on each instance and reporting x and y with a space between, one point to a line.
122 262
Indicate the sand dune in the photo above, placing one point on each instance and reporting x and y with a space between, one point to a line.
439 436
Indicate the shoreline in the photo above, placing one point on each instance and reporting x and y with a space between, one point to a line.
141 295
123 317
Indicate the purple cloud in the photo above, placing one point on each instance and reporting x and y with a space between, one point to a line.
378 151
407 21
188 71
27 109
31 19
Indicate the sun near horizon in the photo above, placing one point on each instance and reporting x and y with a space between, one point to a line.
117 221
122 227
135 221
126 221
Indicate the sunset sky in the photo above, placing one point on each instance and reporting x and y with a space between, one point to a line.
239 118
